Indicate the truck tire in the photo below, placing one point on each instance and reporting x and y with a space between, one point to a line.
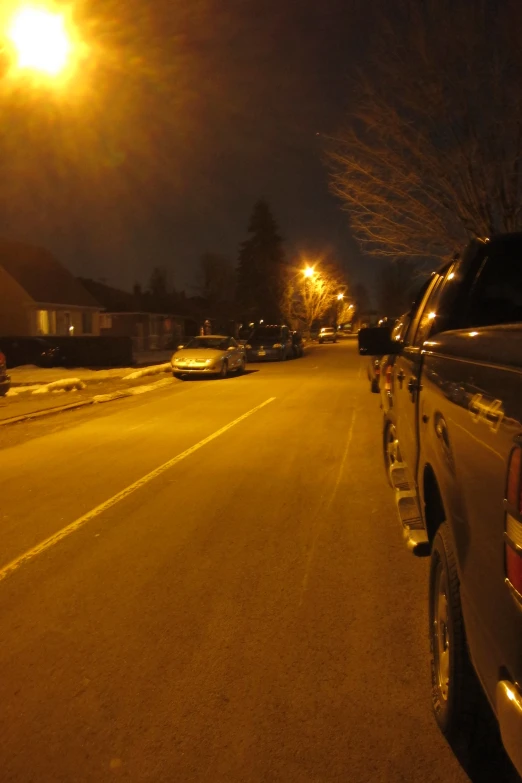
455 689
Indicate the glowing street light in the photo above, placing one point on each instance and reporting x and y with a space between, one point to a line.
309 271
40 40
340 296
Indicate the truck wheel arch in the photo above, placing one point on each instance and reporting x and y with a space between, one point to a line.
434 513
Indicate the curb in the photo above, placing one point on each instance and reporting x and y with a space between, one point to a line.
46 412
98 399
70 407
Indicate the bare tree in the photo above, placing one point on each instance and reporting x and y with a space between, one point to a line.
308 298
432 151
397 287
345 311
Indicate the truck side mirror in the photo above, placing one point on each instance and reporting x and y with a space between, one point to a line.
376 341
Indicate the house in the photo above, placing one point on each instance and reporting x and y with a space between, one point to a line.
38 296
135 315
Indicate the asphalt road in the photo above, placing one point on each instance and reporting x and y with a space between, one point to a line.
185 600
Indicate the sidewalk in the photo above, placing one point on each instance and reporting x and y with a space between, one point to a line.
28 376
37 391
145 358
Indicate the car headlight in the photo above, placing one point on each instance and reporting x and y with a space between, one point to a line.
277 345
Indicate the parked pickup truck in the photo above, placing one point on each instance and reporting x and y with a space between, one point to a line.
452 442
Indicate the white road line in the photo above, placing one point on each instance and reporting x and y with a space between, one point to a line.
66 531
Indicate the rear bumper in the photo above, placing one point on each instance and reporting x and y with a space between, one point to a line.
270 355
509 712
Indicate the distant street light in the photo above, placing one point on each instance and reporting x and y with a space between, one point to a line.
40 41
340 296
309 271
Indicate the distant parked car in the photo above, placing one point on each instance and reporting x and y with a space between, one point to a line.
213 354
30 350
270 343
381 366
327 334
297 344
5 381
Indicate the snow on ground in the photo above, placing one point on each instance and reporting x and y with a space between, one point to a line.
14 390
155 370
132 391
61 385
23 376
40 375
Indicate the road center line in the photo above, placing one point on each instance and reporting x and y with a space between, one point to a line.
66 531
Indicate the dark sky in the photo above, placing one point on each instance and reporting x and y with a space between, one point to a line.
178 122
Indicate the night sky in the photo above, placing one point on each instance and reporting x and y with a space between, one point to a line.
179 120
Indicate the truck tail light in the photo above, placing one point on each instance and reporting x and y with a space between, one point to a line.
513 533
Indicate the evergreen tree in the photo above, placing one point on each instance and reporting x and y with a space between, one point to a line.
260 268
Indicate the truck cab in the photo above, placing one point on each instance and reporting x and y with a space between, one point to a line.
455 467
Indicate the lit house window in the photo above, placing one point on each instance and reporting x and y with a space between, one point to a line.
46 322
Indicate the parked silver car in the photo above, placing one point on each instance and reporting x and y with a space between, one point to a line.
213 354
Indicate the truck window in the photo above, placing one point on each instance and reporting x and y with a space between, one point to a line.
426 322
497 295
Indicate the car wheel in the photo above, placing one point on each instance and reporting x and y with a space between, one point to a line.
391 449
241 368
224 370
455 691
375 386
178 375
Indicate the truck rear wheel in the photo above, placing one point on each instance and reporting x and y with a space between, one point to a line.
455 690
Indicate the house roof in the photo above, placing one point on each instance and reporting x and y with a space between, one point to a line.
118 302
112 299
42 276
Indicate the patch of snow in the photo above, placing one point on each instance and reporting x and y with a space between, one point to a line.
64 384
150 386
44 375
156 369
14 390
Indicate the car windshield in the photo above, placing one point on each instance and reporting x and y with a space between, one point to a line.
215 343
266 333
